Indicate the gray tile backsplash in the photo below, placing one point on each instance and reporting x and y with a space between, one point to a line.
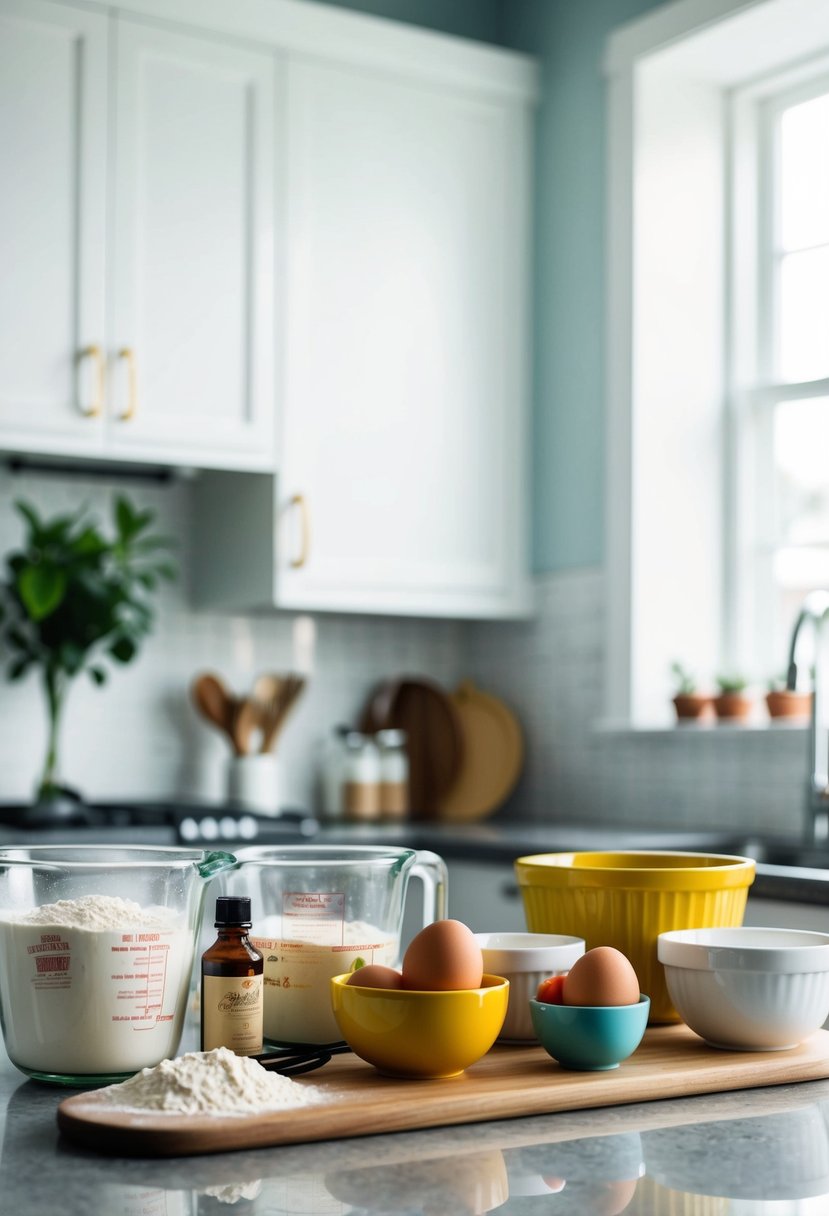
690 777
139 735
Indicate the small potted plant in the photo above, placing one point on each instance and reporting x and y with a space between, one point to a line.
688 703
792 703
732 703
71 599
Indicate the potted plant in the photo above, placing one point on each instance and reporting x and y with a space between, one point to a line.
688 703
732 702
72 598
783 702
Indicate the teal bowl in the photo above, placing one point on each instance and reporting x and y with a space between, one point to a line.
590 1037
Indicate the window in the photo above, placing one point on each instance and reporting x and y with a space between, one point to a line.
717 519
783 385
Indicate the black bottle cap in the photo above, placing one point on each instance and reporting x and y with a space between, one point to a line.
233 910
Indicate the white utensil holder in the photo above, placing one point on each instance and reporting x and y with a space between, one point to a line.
253 782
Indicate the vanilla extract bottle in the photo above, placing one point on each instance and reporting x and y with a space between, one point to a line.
232 974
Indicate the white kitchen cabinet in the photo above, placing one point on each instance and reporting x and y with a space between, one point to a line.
193 248
404 430
139 303
53 145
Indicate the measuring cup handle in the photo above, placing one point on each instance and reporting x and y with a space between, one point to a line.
431 870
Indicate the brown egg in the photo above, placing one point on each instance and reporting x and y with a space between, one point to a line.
443 957
602 976
375 976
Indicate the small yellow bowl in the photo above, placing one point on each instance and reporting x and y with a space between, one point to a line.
627 899
411 1033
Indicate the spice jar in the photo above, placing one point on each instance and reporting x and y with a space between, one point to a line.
394 774
361 778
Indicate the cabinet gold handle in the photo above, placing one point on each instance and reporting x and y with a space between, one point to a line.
96 354
299 501
128 355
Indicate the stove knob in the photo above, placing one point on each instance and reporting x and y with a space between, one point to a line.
227 827
209 828
248 827
189 829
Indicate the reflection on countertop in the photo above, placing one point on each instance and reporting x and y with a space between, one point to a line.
731 1153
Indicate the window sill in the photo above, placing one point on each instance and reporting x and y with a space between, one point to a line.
708 729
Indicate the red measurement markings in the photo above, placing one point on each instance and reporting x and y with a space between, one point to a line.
155 976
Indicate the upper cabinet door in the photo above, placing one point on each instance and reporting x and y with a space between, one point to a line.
52 224
192 274
404 420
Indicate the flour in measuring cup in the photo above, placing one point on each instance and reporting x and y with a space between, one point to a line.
302 954
93 986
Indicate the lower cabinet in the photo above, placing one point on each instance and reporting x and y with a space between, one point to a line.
485 896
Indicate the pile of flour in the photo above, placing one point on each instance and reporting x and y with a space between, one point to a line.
210 1083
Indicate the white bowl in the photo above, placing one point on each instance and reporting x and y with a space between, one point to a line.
749 989
526 959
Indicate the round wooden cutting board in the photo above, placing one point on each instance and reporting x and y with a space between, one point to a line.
434 738
493 752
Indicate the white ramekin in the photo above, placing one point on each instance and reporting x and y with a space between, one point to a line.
525 959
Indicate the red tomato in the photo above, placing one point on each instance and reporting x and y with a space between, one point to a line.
550 991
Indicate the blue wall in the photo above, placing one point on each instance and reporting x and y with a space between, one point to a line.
479 19
568 37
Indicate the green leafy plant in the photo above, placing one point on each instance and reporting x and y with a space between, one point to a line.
731 683
71 598
685 682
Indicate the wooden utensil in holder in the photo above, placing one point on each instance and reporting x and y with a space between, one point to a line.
274 697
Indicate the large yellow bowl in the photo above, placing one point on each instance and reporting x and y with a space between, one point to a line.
411 1033
627 899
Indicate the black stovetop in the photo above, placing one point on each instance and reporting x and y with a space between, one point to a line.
150 821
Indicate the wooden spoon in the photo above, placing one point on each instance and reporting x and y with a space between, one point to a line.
214 702
247 720
275 696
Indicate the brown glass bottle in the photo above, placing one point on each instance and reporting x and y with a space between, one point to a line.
232 973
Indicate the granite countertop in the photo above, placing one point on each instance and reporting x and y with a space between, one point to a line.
751 1146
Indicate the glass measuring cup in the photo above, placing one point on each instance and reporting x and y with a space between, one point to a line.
319 909
96 952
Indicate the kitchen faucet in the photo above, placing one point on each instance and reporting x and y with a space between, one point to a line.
814 611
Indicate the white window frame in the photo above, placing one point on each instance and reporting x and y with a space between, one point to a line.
754 391
704 39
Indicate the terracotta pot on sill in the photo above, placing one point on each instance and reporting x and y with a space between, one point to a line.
733 706
690 705
788 703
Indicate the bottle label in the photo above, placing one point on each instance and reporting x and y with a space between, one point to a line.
232 1013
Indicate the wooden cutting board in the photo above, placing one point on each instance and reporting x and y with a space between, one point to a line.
434 739
493 752
510 1081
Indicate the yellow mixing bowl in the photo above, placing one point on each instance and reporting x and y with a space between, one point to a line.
411 1033
627 899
